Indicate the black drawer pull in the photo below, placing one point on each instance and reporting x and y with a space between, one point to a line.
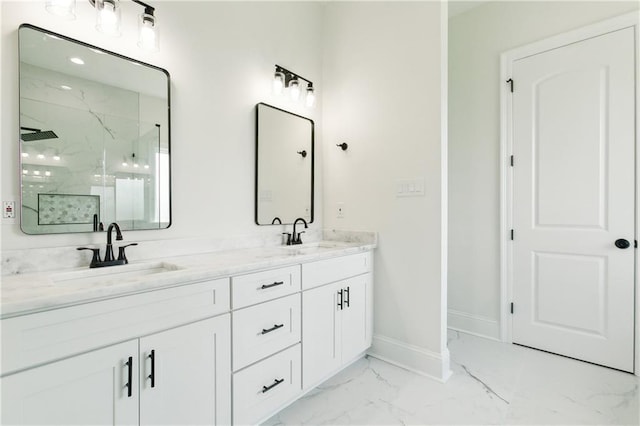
276 283
268 388
341 294
152 376
275 327
347 297
129 384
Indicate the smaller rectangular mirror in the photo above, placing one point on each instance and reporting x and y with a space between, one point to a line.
284 166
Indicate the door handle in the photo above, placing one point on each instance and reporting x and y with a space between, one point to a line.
341 296
129 384
152 376
348 297
622 243
274 328
266 389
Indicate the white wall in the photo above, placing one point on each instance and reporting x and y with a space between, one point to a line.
382 96
221 58
476 40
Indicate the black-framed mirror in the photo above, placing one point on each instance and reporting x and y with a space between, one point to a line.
284 166
94 137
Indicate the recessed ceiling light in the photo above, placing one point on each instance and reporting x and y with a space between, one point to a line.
64 87
77 60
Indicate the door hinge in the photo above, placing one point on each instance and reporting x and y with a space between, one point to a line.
512 235
512 307
510 81
511 161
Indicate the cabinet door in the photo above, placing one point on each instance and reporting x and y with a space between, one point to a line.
185 374
356 332
88 389
320 333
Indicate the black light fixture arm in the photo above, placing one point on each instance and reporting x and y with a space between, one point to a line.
147 9
289 75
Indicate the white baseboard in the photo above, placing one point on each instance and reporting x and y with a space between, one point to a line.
473 324
413 358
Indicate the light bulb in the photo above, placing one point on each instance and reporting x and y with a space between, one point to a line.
56 157
108 17
310 100
148 33
294 89
278 83
63 8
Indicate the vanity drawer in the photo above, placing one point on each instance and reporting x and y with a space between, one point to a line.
262 389
315 274
264 329
43 337
259 287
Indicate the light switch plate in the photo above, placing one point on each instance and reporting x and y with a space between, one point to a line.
410 187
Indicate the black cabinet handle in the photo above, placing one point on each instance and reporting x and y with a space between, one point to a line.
275 327
268 388
276 283
152 376
129 384
622 243
341 295
347 297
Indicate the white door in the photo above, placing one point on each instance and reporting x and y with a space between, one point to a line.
320 333
354 332
96 388
185 375
573 197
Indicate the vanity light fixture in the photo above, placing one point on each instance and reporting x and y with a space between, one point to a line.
108 19
148 34
285 79
108 16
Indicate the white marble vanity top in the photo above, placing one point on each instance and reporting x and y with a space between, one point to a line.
40 291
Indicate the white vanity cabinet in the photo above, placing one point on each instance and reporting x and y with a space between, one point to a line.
82 390
180 375
266 342
336 316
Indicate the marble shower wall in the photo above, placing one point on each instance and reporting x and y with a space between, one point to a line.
99 127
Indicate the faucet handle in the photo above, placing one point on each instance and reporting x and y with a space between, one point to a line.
288 242
96 256
298 239
121 253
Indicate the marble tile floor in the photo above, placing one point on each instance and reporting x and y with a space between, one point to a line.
492 383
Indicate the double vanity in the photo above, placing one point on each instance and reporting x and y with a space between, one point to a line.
228 337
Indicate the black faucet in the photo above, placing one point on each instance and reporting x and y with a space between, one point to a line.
108 256
295 238
109 260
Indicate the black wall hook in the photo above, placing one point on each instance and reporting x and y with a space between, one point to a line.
343 145
303 153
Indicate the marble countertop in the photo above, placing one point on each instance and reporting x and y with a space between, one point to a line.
41 291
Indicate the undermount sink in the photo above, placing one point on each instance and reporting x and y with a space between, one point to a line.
315 245
113 273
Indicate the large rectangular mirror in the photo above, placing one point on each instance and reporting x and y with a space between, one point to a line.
94 137
284 166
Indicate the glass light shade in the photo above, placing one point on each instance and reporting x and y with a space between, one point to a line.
294 89
62 8
278 83
310 100
108 17
148 32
